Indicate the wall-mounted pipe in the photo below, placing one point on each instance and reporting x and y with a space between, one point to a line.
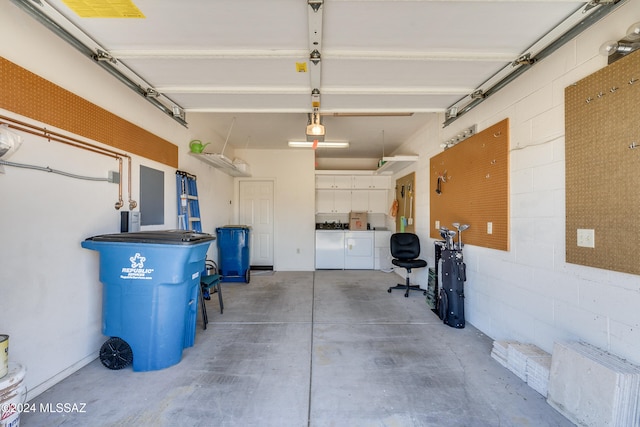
64 139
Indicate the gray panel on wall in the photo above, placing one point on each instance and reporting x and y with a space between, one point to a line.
151 196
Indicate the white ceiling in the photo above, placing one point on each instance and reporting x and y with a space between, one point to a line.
237 58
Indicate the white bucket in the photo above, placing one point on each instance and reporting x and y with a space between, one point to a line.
4 355
13 393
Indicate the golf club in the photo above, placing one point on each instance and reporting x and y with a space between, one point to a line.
460 229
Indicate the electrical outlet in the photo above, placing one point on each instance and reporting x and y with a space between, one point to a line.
586 238
489 228
437 225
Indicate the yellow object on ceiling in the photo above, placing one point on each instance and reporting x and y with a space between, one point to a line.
104 9
301 67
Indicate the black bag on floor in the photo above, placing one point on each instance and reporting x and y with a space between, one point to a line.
451 297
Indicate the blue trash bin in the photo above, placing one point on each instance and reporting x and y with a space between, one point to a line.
150 288
233 253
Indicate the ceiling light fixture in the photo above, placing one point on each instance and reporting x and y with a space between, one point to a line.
372 114
615 50
315 130
320 144
467 133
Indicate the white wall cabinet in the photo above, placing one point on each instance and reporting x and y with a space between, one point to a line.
330 182
333 201
345 193
371 201
370 182
378 201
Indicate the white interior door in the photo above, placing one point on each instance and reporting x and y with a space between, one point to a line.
256 210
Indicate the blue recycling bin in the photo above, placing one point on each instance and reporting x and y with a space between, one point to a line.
151 283
233 253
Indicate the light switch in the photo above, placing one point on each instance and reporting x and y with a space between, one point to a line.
586 238
437 225
489 228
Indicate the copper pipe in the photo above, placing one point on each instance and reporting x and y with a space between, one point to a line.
132 203
58 137
119 203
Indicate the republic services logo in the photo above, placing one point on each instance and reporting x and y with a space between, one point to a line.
137 261
137 270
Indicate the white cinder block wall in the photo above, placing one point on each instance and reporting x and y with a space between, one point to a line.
530 293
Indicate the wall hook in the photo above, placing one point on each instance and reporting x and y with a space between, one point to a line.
633 80
600 94
633 145
613 89
589 99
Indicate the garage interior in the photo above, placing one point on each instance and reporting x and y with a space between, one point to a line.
515 118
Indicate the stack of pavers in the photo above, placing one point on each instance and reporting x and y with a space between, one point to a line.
500 352
594 388
530 363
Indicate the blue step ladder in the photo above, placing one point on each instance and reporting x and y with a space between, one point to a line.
188 205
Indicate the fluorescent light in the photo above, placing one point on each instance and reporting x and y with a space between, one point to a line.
321 144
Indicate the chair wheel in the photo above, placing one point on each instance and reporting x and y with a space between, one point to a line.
406 295
389 290
424 293
115 353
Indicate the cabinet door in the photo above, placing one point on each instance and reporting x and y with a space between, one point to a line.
378 201
324 201
342 201
360 200
382 254
324 181
380 182
362 182
342 181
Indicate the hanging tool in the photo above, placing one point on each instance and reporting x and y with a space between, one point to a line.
441 178
394 208
410 218
403 218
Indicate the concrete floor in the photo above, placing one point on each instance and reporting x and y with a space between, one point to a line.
330 348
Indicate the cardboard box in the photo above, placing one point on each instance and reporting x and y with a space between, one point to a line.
357 221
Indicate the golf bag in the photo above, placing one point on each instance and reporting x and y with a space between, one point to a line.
451 297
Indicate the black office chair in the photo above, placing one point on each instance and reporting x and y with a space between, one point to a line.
405 250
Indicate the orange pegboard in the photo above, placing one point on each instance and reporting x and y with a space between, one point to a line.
602 180
474 188
29 95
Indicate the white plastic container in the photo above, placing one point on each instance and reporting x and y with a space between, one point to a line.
4 355
13 393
